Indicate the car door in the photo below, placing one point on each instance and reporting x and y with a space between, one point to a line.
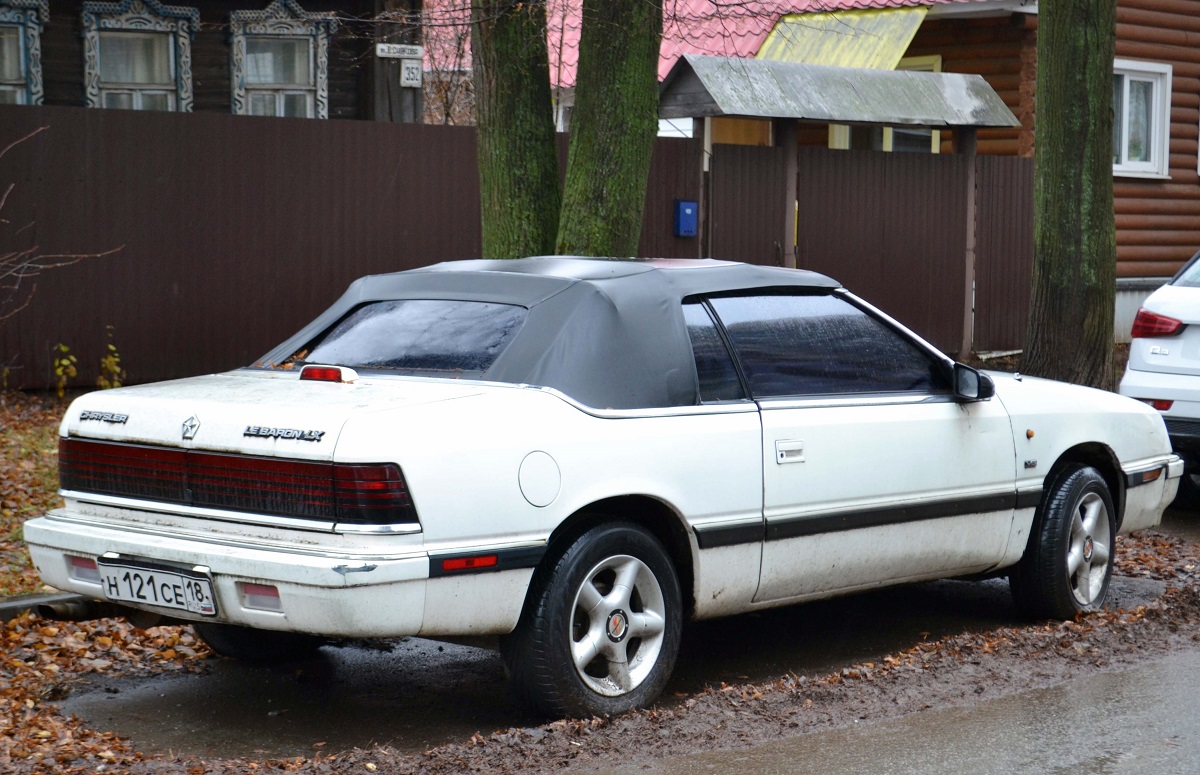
873 472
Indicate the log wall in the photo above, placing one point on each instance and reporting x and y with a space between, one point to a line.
1004 51
1158 221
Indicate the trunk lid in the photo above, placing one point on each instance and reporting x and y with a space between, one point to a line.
249 412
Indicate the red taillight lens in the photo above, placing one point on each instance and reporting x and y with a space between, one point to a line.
290 488
358 494
372 495
321 373
1150 324
1161 404
129 470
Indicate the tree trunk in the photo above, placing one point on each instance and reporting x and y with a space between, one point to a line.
613 127
1070 334
518 164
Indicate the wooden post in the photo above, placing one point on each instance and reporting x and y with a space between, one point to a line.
786 138
390 101
967 146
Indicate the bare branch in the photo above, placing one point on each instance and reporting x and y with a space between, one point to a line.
18 266
15 143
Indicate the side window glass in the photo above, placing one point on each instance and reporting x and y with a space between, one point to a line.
814 345
714 365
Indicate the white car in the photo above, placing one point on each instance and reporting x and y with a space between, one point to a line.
1164 366
578 455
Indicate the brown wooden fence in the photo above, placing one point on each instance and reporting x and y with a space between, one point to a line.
235 230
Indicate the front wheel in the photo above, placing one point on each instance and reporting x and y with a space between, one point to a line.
601 629
1069 560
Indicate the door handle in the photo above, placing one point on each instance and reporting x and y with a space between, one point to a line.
789 451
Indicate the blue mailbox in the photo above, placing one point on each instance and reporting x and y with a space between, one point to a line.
687 215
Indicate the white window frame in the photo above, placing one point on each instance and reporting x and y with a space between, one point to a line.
280 90
178 22
28 16
282 19
137 90
1159 75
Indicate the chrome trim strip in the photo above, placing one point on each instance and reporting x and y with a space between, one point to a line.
239 517
1133 476
255 545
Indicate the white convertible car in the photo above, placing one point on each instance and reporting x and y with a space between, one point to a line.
578 455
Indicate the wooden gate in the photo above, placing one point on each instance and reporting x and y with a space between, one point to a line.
892 228
747 209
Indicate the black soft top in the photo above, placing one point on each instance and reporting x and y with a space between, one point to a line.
608 333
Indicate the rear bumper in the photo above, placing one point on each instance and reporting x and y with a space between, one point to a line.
1184 433
336 595
1183 418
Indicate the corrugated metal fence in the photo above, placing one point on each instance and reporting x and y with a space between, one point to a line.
892 227
1003 252
235 230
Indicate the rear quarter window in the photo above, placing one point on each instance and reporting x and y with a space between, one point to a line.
1190 275
418 335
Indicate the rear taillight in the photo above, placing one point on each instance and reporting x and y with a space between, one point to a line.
328 374
1149 324
357 494
372 495
130 470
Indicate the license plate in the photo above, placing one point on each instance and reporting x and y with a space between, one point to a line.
148 583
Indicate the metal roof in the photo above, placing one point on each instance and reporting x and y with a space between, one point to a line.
704 86
874 38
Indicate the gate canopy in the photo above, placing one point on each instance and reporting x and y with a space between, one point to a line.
707 86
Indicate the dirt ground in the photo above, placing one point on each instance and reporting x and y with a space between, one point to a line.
41 662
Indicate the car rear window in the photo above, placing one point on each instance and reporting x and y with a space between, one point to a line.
418 335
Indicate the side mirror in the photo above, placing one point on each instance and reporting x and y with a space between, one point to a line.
971 384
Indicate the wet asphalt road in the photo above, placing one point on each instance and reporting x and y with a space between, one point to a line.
421 693
1142 721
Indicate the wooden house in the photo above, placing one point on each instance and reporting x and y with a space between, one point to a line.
1156 87
291 58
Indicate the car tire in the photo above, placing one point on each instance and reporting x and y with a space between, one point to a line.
601 628
250 645
1069 559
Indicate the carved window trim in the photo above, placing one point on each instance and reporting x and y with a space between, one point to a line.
282 19
28 16
180 22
